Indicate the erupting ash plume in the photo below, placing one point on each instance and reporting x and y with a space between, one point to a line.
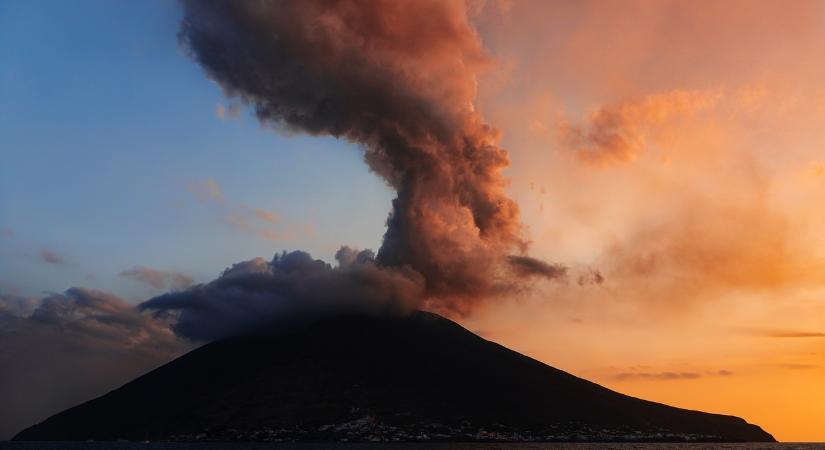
398 78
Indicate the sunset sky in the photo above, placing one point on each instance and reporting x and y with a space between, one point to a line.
669 154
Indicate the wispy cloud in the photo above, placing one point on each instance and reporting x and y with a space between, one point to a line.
206 191
665 376
774 333
799 366
267 225
51 257
158 279
278 235
796 334
266 216
260 222
619 133
227 112
670 375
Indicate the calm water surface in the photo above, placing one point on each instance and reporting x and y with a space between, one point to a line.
421 446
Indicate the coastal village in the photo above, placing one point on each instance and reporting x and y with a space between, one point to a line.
369 429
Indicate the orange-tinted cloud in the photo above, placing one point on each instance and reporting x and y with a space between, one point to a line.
227 112
791 334
268 225
619 133
207 190
267 216
158 279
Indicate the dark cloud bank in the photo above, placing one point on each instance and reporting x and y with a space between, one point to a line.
292 287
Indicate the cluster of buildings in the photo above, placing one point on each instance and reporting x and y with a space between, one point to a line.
368 429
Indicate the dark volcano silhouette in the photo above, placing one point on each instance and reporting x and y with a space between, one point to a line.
364 378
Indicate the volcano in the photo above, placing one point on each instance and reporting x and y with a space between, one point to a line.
360 378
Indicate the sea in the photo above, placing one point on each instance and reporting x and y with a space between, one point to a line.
400 446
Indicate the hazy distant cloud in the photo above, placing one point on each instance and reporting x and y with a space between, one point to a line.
207 190
158 279
267 225
6 232
52 257
266 216
66 348
658 376
668 258
816 170
668 376
799 366
289 232
260 222
619 132
309 229
781 333
277 235
224 112
795 334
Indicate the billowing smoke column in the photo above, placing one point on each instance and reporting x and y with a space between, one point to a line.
397 77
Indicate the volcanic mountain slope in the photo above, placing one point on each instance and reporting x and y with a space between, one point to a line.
366 378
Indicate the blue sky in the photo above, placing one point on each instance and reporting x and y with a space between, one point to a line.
107 133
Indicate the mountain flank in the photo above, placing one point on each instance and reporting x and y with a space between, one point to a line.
357 378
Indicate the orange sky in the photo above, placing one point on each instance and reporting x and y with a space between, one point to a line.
679 149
